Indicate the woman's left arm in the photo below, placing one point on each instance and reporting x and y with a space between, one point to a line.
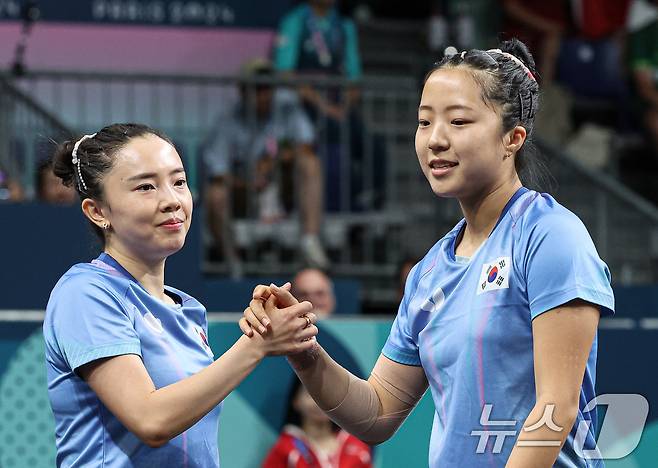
562 341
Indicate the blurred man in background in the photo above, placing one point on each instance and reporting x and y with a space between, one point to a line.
313 285
257 147
316 41
542 26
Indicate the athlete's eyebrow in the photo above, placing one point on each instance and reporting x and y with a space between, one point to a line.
449 108
153 175
458 107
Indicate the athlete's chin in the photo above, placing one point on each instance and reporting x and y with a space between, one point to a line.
172 249
444 194
443 190
171 246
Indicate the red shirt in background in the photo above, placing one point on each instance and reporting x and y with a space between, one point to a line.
292 450
600 18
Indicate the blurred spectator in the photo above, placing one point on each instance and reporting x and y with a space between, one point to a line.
314 40
438 29
578 49
10 189
643 55
313 285
50 188
266 134
541 25
452 23
311 440
599 19
591 60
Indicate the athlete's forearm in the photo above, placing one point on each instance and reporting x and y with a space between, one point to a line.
372 409
539 448
326 381
175 408
349 401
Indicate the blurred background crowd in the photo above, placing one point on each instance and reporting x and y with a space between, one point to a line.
296 119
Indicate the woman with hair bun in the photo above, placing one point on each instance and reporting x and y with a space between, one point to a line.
499 318
131 377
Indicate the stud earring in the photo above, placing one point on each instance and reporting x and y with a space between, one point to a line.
106 226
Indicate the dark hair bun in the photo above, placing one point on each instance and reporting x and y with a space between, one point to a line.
63 163
520 51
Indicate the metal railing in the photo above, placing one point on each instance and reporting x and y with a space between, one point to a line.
28 133
623 225
367 241
370 192
186 107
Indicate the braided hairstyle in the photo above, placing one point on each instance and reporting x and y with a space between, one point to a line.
97 156
510 86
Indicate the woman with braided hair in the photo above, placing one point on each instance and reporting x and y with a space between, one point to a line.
499 318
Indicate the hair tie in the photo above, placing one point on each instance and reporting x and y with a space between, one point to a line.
76 160
515 60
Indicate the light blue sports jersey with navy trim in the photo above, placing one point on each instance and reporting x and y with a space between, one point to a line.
467 322
99 310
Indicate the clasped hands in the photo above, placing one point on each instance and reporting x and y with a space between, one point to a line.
278 322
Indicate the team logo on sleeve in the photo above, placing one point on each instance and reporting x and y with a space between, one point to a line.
434 303
495 275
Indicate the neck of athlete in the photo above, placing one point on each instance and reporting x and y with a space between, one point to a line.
149 274
483 211
318 432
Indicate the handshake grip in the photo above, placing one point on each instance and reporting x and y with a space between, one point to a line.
277 320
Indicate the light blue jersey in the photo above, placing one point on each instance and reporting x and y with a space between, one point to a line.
467 322
99 310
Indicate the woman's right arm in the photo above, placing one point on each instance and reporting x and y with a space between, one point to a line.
372 409
157 415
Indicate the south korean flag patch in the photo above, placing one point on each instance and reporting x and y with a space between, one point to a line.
495 275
